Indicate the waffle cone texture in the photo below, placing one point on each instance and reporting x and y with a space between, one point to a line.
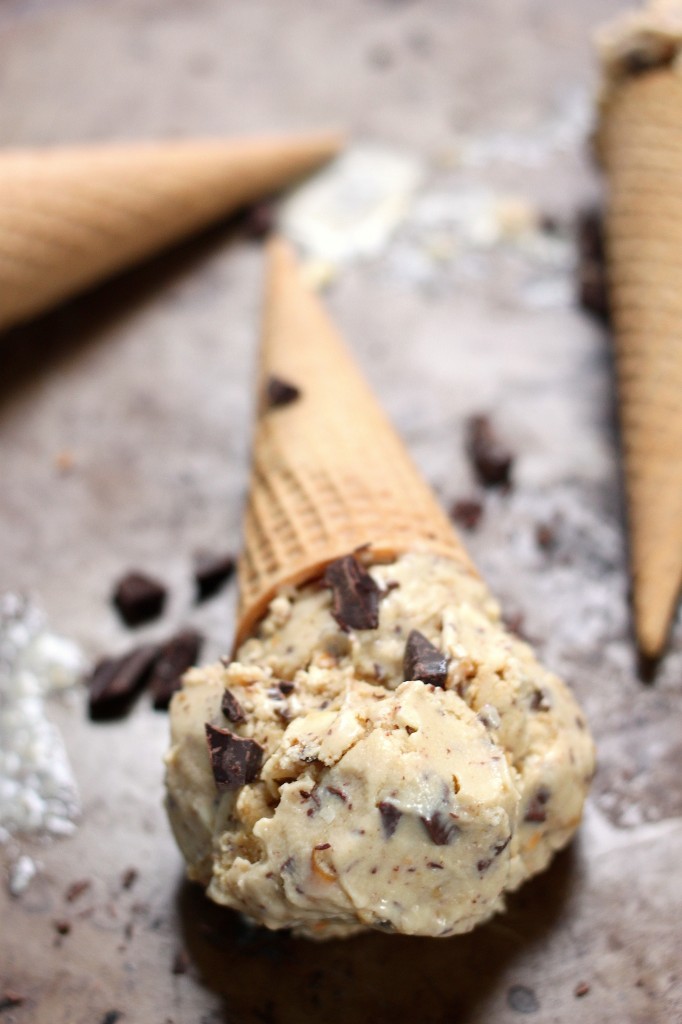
70 217
329 474
640 146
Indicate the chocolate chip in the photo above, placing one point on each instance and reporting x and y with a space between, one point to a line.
441 828
139 598
285 687
581 989
355 595
280 392
537 811
490 458
77 889
390 816
115 681
129 877
62 927
467 513
522 999
211 573
174 658
231 708
539 701
424 661
10 998
235 760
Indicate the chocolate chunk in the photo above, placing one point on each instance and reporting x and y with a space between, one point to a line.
111 1017
129 877
490 458
467 513
355 595
423 661
581 989
537 810
522 999
231 708
285 687
502 845
139 598
211 573
174 658
441 828
539 701
235 761
483 865
280 392
390 816
10 998
62 927
77 889
115 681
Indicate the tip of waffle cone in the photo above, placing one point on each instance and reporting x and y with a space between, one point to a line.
655 597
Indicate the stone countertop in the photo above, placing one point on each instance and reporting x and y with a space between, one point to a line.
124 427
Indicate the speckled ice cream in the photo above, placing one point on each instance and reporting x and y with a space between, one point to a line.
381 802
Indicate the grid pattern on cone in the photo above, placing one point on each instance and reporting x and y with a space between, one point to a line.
329 473
641 145
70 217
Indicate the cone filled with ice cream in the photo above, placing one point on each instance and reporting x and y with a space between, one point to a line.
640 147
380 753
72 216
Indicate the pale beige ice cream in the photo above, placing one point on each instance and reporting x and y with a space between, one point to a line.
381 803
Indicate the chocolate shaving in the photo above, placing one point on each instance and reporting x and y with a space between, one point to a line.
231 708
537 811
491 460
279 392
424 661
175 657
355 595
235 760
77 889
115 681
390 816
129 877
211 573
139 598
441 828
10 998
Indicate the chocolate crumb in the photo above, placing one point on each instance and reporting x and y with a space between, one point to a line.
390 816
211 573
522 999
491 460
467 513
115 681
77 889
235 761
129 877
279 392
483 865
539 701
180 962
174 658
62 927
323 846
355 595
285 687
424 661
581 989
10 998
111 1017
335 791
537 811
440 828
139 598
498 848
231 708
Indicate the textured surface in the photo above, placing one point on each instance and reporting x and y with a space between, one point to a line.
70 217
329 473
145 390
641 146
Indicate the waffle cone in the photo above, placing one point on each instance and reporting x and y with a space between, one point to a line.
69 217
640 144
329 473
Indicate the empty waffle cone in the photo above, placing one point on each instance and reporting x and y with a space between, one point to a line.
70 217
640 146
329 473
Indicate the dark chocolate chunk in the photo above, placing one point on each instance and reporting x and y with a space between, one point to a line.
77 889
498 848
235 760
424 661
467 513
115 681
10 998
483 865
231 708
539 701
62 927
355 595
211 572
390 816
280 392
441 828
139 598
285 687
491 459
522 999
174 658
537 809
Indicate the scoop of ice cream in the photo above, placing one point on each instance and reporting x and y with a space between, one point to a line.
381 802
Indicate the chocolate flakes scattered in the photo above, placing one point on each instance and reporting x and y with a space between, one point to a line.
280 392
231 708
424 661
77 889
390 816
139 598
441 829
115 681
174 658
211 573
235 760
491 459
355 595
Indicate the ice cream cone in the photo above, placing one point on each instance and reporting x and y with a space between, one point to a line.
640 146
70 217
329 473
